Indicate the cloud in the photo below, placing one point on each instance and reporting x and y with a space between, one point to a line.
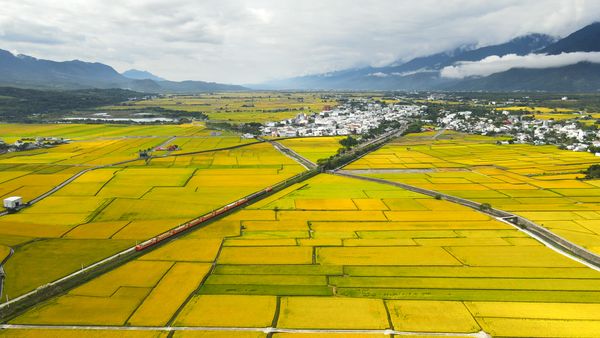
496 64
378 74
250 41
22 31
262 14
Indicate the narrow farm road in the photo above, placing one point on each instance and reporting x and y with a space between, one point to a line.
268 330
2 274
303 161
78 174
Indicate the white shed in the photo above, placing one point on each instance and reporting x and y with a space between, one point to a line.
13 202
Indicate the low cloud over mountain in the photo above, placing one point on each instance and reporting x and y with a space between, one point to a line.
496 64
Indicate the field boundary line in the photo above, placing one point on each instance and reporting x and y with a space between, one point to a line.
51 289
534 230
149 293
43 292
80 173
64 183
196 291
267 330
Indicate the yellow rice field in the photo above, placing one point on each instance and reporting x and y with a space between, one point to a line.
419 274
538 182
314 148
122 204
341 253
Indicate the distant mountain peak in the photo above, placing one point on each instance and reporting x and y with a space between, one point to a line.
535 37
587 39
462 48
137 74
418 73
25 57
29 72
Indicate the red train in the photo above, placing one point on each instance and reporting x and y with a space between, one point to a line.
199 220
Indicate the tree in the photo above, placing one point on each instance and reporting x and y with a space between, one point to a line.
348 142
594 149
592 172
485 207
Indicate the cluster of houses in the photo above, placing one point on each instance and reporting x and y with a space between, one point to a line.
29 143
350 118
567 134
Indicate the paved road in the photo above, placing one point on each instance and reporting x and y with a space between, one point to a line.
545 236
127 251
75 176
64 183
383 139
166 142
438 134
2 274
303 161
389 332
306 163
49 289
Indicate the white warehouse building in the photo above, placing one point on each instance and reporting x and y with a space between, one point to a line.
13 202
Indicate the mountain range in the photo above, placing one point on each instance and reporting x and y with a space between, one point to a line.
28 72
424 73
421 73
141 75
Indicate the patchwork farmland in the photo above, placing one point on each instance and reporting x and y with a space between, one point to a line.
323 255
240 107
539 183
109 209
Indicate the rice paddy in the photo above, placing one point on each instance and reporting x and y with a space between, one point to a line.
287 263
536 182
314 148
109 209
243 107
328 253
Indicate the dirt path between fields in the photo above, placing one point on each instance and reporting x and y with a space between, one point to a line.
402 171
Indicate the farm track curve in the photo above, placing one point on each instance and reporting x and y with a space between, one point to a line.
545 236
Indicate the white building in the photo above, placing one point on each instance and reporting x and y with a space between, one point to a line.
13 202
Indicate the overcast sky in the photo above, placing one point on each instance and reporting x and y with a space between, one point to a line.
253 41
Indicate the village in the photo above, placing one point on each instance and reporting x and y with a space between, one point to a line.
353 118
29 143
567 134
358 116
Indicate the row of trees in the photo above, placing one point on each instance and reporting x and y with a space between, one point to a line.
349 151
246 128
29 105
